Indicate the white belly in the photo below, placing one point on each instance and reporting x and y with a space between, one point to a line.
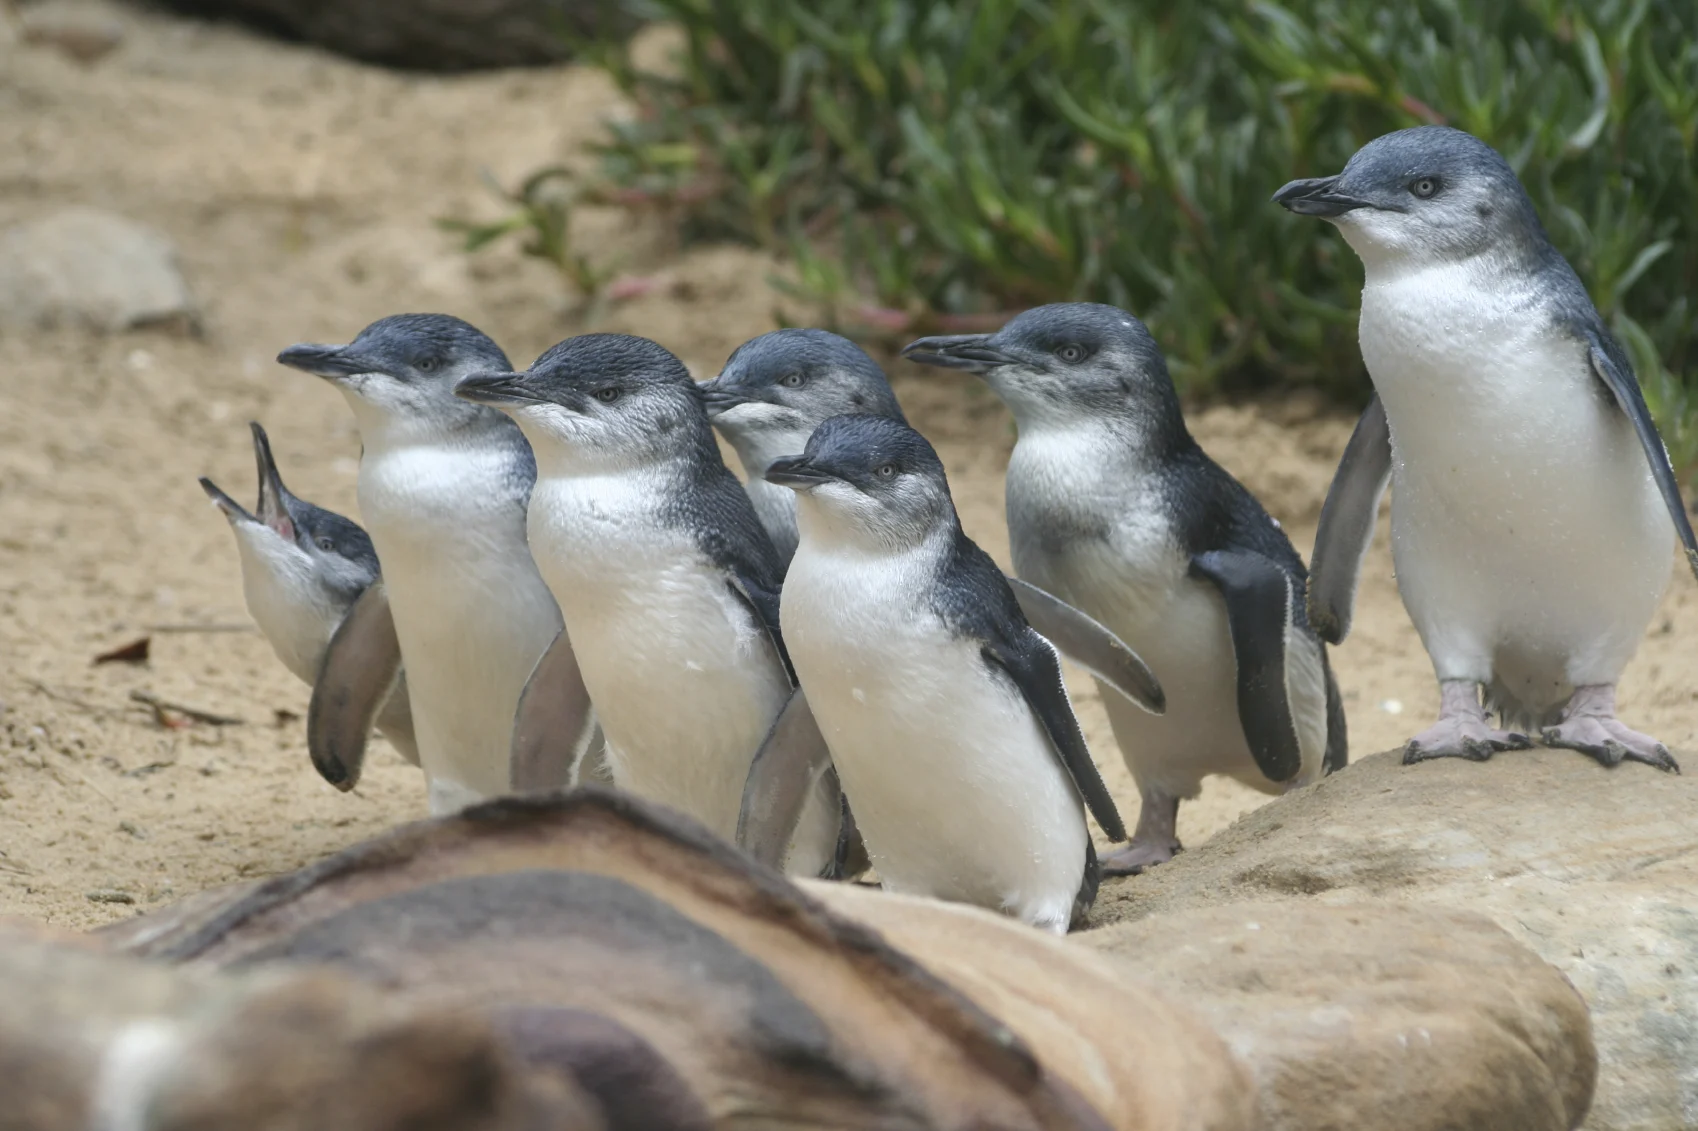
685 683
1134 580
954 786
292 609
471 611
1530 542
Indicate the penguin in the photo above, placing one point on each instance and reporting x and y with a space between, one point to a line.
1534 508
944 711
443 487
303 567
773 392
668 583
1114 507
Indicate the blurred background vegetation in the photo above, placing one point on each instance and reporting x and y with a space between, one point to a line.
935 164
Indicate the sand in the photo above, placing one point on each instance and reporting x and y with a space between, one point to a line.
302 192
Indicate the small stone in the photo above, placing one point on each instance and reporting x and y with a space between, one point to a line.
110 895
91 268
133 829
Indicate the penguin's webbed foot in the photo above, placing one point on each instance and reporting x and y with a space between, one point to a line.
1462 730
1140 854
1589 725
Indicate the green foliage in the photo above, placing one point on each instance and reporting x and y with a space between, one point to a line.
945 159
542 208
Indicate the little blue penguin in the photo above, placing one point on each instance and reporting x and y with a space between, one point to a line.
771 395
668 583
1532 497
1114 507
443 486
944 711
303 567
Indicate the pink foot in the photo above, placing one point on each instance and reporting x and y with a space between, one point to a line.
1589 725
1462 730
1155 841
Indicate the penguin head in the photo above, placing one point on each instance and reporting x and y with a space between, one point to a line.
316 553
868 481
404 367
605 400
1422 195
777 388
1065 365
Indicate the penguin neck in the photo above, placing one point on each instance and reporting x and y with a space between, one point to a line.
1140 437
384 430
757 448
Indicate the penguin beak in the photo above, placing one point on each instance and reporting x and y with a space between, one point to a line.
1318 196
233 510
498 390
971 353
273 510
796 472
720 399
333 363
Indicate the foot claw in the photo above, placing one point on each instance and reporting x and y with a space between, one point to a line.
1610 741
1462 738
1139 857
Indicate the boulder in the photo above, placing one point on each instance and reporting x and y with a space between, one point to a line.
87 267
1594 869
430 35
1393 1017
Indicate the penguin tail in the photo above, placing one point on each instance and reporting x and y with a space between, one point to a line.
1338 730
1092 880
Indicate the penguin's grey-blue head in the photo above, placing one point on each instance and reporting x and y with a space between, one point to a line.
602 398
1064 364
867 480
777 388
306 548
1426 194
404 365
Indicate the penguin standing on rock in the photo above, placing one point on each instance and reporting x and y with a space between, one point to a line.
668 583
442 488
303 567
1114 508
1532 498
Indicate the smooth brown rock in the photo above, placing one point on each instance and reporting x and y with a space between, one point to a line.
1594 869
90 1040
1375 1015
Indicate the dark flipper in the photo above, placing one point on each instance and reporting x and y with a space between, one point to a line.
1613 369
396 721
354 681
1347 524
1088 885
1258 608
784 771
763 605
1036 670
1338 730
1090 645
552 722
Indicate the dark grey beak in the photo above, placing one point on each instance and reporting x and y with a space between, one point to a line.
720 399
797 472
496 389
1317 196
233 510
273 509
972 353
330 362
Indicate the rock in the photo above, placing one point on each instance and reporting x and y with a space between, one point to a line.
1376 1015
431 35
83 266
84 37
1594 869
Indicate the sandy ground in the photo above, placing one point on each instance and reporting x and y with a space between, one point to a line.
302 191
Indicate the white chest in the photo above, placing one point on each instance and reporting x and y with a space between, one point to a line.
286 600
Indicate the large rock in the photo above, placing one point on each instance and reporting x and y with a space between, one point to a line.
432 35
1594 869
83 266
1391 1017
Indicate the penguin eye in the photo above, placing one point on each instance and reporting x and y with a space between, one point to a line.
326 545
791 380
885 470
427 364
1425 187
1071 352
607 395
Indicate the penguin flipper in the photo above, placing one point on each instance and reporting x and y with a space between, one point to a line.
1035 667
551 722
1260 609
355 679
1347 524
762 604
1616 372
396 721
1080 638
790 760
